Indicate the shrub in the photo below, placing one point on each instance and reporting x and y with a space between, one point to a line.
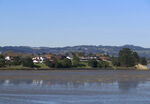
66 63
2 62
27 62
49 64
17 60
76 61
92 63
143 61
103 64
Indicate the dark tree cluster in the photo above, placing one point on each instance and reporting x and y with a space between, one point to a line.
128 58
16 60
100 64
75 61
65 63
143 61
27 62
2 61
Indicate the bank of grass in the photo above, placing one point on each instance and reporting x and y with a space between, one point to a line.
18 67
83 66
41 65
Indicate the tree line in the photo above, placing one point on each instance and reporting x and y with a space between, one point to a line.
126 58
26 62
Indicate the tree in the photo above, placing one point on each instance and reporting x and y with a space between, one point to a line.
127 57
73 54
81 54
103 64
66 63
76 61
49 64
17 60
66 54
91 55
27 62
2 61
92 63
57 63
136 57
99 54
8 62
143 61
115 61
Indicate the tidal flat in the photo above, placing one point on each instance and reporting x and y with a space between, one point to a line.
74 87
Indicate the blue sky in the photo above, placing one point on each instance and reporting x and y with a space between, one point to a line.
57 23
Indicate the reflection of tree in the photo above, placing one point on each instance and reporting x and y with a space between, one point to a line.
15 82
2 82
53 83
127 85
29 81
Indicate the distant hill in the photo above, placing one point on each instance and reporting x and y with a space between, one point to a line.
111 50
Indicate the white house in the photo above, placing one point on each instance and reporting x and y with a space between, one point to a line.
38 60
68 57
8 58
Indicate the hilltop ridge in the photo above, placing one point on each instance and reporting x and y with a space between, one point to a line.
111 50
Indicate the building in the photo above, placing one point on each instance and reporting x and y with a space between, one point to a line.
38 60
50 57
87 58
68 57
105 58
8 58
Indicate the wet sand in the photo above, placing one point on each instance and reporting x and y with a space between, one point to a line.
81 75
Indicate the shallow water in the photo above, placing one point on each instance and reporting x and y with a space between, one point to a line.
74 87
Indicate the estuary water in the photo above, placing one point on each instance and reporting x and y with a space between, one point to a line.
75 87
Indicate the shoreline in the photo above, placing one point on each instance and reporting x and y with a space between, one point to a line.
50 69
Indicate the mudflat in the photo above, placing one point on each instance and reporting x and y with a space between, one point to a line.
81 75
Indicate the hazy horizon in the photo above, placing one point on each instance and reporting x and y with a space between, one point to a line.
73 46
60 23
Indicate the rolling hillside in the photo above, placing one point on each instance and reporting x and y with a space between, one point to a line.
111 50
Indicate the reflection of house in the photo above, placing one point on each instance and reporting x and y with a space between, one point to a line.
38 59
37 82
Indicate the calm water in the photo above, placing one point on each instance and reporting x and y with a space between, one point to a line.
74 87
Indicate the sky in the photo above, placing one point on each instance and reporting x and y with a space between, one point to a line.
59 23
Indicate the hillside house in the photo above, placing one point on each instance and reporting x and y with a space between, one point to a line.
50 57
105 58
8 58
38 60
68 57
87 58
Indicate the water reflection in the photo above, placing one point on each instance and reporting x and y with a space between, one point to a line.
94 85
128 85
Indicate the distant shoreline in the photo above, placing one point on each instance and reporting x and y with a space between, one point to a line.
69 69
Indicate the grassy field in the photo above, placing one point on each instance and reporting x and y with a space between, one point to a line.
41 65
